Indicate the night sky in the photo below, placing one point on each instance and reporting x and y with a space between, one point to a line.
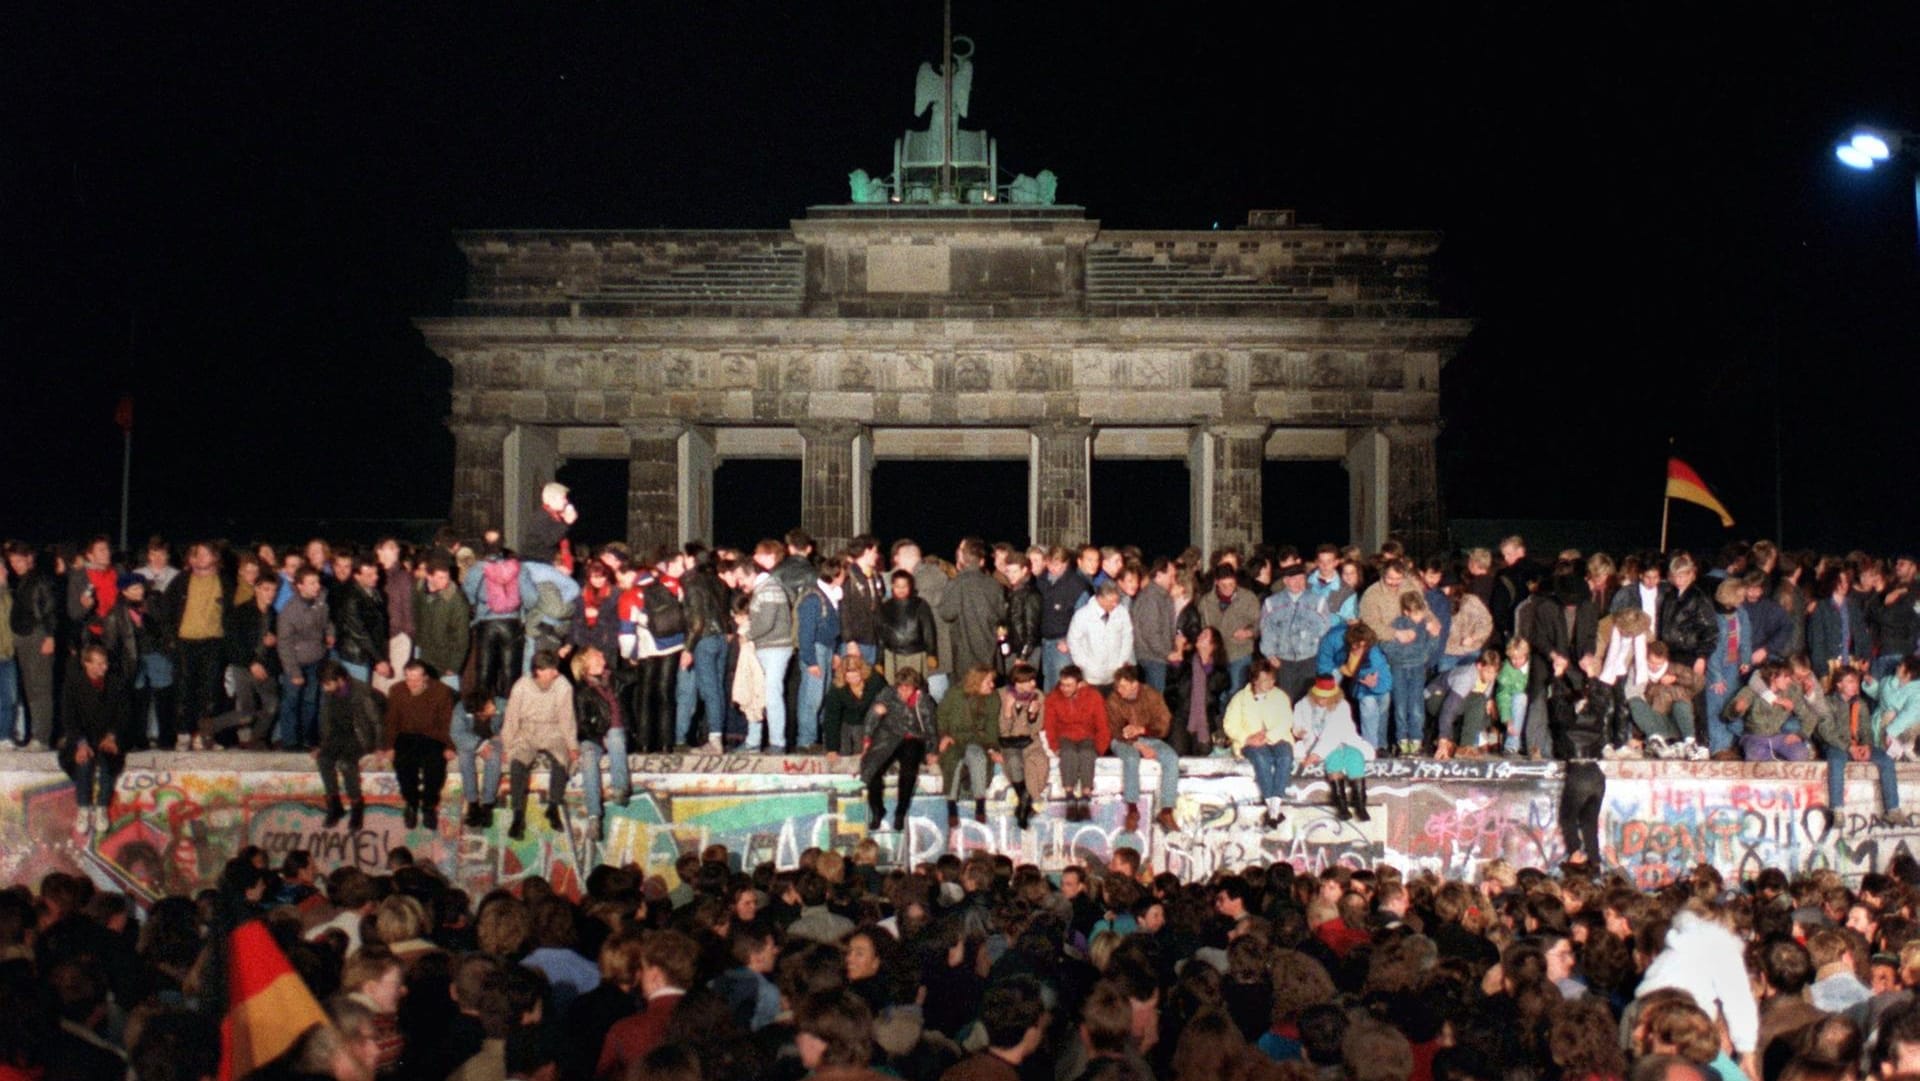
233 213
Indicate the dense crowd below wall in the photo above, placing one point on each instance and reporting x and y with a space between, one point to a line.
1031 661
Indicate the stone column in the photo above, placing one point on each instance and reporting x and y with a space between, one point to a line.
1366 462
698 460
1414 509
1060 483
835 471
479 478
532 454
653 484
1225 464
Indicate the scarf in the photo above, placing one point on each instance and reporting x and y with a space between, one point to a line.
833 591
1197 700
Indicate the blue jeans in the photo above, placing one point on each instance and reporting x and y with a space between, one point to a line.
9 696
1373 718
616 754
1163 756
1837 778
1237 674
1051 662
466 748
1272 768
1409 703
1519 726
299 722
1155 674
813 691
700 685
773 662
361 672
1721 732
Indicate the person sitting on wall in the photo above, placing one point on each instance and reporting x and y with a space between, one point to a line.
95 719
539 724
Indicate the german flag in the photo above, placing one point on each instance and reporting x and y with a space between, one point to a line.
268 1006
1685 485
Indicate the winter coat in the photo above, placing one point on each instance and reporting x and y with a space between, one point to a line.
1833 637
244 638
90 714
1240 613
770 619
1580 728
1685 686
1021 722
1897 704
1059 599
1689 628
1472 626
970 720
1380 606
1291 625
300 632
971 607
1152 613
130 633
429 713
225 586
596 623
1148 711
818 617
36 607
706 600
1022 620
891 721
1832 719
1772 630
1756 715
539 720
1100 641
1408 655
1893 624
442 628
596 711
350 720
842 708
930 583
1081 717
906 626
360 626
860 606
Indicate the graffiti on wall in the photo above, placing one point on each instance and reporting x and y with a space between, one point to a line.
174 823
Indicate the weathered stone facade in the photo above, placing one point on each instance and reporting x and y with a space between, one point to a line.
929 332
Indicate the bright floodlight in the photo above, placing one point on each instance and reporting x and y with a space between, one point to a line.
1853 157
1873 146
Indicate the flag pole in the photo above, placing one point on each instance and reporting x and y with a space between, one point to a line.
1666 503
126 479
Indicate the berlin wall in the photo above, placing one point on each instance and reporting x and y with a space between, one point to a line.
177 818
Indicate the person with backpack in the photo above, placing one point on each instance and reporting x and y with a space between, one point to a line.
770 629
653 634
497 592
349 731
548 618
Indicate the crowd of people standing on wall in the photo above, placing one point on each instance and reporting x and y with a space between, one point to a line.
1034 661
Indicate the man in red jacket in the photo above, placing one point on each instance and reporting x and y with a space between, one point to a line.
1076 720
667 963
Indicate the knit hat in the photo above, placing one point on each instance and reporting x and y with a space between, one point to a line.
128 581
1326 689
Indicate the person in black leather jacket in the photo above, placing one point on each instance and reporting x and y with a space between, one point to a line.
1019 629
1583 720
1181 679
906 629
1691 628
36 639
703 664
360 623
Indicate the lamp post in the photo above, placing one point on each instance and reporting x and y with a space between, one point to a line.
1867 149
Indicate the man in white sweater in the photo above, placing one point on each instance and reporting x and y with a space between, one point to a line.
1100 638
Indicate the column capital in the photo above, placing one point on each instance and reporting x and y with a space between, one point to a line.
829 430
653 429
1064 428
1237 429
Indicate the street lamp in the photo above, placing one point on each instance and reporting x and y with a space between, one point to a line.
1867 149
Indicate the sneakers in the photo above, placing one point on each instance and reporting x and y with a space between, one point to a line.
100 820
1658 747
82 823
